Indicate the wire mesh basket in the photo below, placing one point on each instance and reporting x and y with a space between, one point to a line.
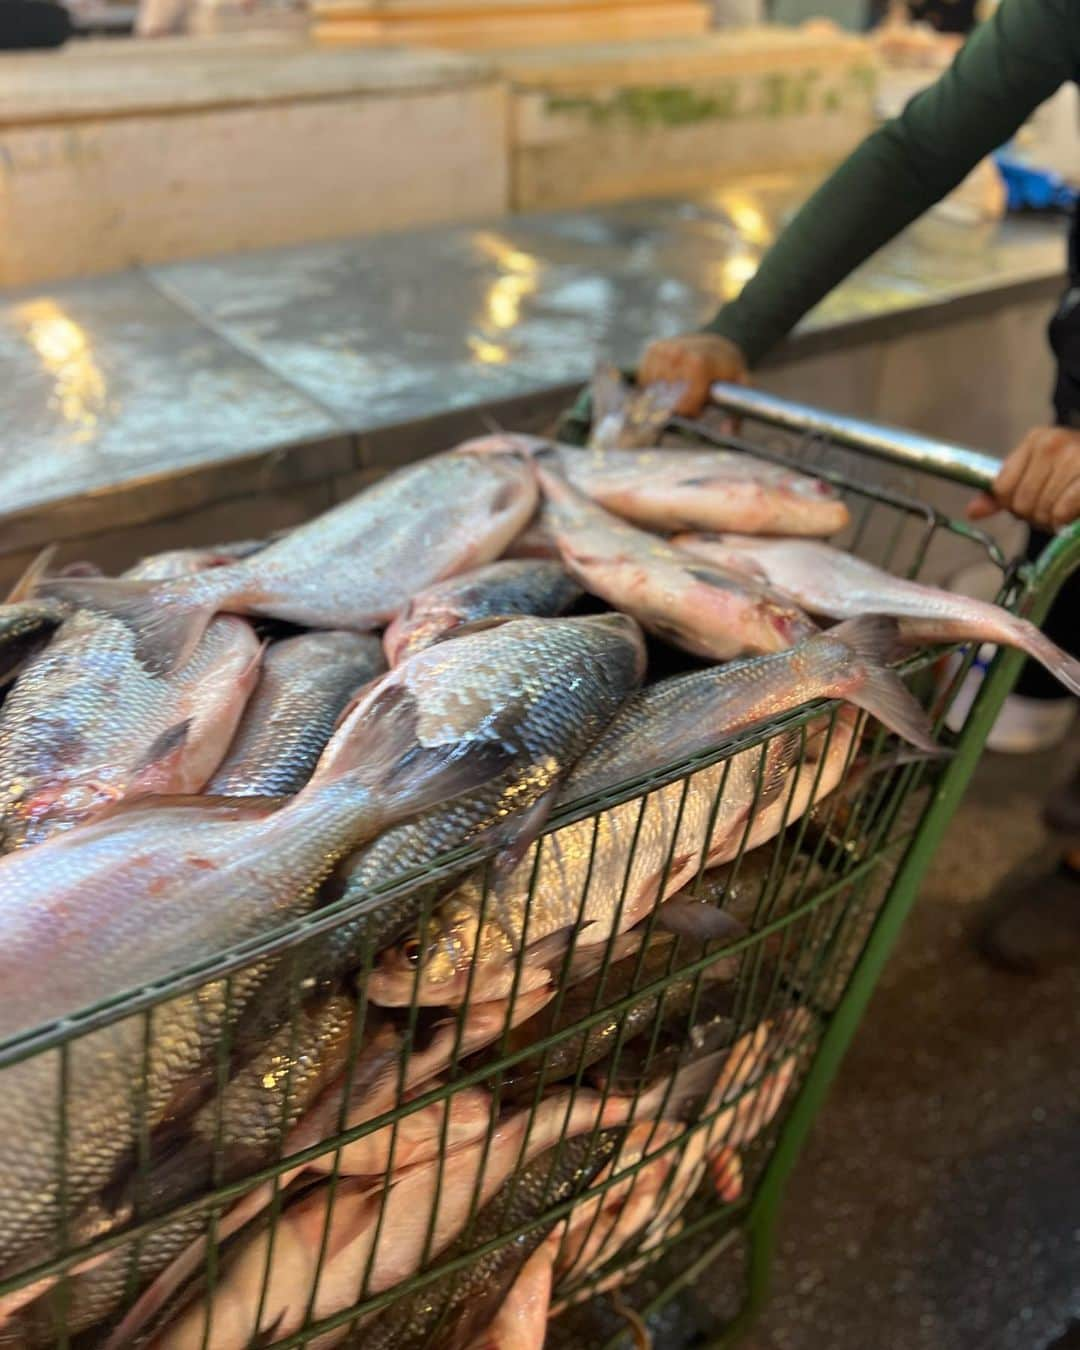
345 1173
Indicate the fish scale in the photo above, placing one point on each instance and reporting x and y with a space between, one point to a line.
304 685
76 729
499 591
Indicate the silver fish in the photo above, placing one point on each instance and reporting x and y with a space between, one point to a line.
242 1127
86 725
304 685
575 674
673 489
132 899
501 590
353 567
458 1305
828 581
706 610
689 714
597 876
606 873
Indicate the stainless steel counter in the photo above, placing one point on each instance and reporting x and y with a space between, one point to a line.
135 398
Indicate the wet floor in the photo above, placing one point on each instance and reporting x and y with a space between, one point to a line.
937 1204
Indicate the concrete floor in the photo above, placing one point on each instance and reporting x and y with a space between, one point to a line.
937 1205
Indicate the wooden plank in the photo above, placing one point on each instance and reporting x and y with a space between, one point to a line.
413 9
494 31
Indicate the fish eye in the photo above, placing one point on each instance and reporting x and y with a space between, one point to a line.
411 950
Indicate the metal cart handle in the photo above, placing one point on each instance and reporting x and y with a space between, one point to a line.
957 462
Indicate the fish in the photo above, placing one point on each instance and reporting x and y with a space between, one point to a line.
132 898
640 1209
87 696
572 1054
707 610
369 1090
670 490
611 870
624 415
451 1309
353 567
237 1131
375 1238
498 591
828 581
557 683
586 880
522 1318
690 714
304 685
86 726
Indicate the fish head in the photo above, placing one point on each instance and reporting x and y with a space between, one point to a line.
31 812
431 965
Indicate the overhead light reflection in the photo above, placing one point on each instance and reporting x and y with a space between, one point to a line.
64 349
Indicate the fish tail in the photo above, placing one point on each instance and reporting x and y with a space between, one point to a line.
1039 647
874 639
26 586
999 626
379 747
167 625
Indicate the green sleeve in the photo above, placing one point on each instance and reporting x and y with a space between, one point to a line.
1007 68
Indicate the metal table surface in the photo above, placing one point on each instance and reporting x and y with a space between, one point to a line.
129 398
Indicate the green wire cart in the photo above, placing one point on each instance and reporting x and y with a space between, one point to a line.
819 897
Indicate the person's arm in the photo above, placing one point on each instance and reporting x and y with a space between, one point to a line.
1010 65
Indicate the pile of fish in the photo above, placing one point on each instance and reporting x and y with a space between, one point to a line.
548 1037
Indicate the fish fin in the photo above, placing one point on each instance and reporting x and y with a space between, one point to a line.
517 834
406 777
699 920
682 1094
550 950
26 586
166 630
235 807
1064 668
881 692
169 745
268 1335
476 626
609 393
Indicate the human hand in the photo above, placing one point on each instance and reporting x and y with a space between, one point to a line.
697 360
1039 481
